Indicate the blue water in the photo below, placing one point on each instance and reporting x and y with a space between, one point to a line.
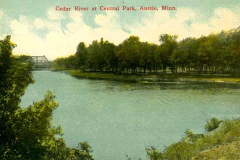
121 119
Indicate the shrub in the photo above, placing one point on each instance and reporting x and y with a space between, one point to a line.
212 124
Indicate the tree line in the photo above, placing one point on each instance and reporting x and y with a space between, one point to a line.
28 133
215 53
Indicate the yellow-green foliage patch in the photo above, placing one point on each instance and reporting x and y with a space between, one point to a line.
221 143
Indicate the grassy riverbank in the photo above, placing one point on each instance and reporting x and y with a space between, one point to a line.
212 79
221 143
153 78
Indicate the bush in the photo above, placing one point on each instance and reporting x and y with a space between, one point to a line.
212 124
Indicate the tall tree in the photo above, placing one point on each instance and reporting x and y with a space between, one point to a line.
129 53
14 78
167 46
81 56
27 133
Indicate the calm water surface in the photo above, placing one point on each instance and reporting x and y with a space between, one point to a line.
121 119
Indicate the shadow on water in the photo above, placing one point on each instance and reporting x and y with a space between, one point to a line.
204 86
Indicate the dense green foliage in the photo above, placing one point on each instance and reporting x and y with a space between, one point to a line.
198 146
212 124
215 54
27 133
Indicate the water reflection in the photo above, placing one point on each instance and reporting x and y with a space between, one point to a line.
119 118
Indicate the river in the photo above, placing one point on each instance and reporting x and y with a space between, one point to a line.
120 119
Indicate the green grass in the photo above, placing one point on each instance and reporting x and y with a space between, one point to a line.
228 151
212 79
151 78
102 76
221 143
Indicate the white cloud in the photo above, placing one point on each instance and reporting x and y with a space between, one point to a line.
55 15
184 24
160 23
110 27
62 40
185 14
111 20
20 27
39 23
225 18
76 16
28 43
77 25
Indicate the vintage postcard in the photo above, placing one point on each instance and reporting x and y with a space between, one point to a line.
119 79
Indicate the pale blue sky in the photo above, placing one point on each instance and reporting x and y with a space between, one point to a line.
39 29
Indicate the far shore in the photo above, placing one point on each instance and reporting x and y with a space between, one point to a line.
153 78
